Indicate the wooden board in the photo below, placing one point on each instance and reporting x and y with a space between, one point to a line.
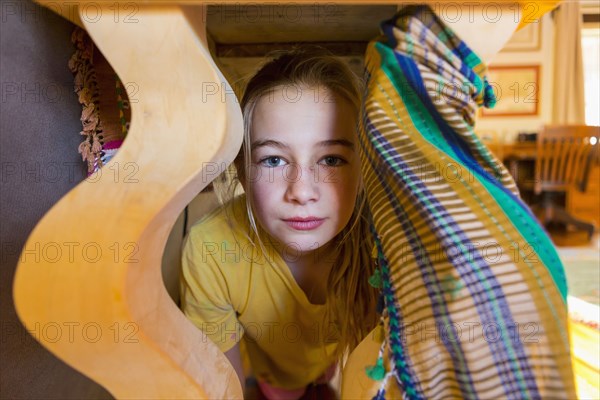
101 280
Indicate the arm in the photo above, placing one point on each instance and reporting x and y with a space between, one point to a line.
235 358
206 300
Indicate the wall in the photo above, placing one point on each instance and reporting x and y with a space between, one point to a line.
39 136
508 127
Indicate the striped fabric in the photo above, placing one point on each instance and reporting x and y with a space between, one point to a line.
474 290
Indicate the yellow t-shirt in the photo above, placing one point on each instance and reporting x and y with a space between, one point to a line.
231 292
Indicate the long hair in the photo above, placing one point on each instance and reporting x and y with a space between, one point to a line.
351 301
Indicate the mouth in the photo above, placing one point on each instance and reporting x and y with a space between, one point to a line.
304 223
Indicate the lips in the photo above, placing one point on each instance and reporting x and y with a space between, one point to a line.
304 223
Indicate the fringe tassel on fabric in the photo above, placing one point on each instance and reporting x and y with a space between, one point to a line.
86 87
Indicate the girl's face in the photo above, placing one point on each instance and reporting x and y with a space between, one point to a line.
305 166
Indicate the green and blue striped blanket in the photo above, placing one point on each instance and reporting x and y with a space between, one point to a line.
475 293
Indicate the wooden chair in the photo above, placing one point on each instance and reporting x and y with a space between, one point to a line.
565 156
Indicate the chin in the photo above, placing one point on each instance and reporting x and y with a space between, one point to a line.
301 244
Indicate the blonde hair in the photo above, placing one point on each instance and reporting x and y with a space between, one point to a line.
351 301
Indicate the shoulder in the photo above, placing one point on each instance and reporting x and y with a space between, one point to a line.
214 263
221 241
224 223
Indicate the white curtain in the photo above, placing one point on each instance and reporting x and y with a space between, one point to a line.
569 100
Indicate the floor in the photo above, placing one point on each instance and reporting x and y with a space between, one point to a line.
581 259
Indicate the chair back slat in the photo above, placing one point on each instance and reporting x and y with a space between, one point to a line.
554 160
570 155
563 164
580 165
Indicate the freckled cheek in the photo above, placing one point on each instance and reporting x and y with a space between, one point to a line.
262 206
262 190
344 188
266 188
346 178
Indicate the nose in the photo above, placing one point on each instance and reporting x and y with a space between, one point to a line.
301 187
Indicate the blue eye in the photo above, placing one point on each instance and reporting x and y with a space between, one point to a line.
332 161
271 162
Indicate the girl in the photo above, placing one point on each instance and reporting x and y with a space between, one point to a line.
281 273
